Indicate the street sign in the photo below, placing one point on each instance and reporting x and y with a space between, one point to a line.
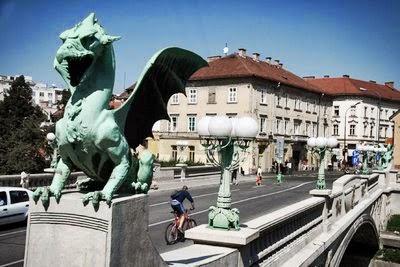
280 143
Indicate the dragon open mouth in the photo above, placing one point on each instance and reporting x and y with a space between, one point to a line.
76 67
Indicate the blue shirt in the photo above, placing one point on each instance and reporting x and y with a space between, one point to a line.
181 196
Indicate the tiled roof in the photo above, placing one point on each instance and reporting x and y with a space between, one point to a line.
350 86
236 66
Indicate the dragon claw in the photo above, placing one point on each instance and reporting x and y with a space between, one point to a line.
44 194
95 197
141 187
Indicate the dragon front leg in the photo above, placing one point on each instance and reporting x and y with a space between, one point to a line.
61 175
117 178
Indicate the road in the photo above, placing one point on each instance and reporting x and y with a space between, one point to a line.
252 201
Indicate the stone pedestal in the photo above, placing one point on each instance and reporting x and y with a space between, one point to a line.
70 234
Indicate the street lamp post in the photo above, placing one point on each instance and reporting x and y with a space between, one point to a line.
226 138
345 130
321 145
379 111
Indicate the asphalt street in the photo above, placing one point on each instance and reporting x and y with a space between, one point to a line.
252 201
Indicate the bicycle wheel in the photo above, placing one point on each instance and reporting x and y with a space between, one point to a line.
171 234
190 224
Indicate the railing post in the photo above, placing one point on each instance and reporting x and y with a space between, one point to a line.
326 194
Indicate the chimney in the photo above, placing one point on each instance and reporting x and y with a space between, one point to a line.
280 65
268 59
256 56
389 84
276 61
213 58
372 81
308 77
346 76
326 76
242 52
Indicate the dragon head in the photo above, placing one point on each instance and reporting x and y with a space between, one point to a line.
82 46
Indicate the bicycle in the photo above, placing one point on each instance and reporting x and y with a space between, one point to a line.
172 234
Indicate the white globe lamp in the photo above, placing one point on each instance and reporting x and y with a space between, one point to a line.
321 142
246 127
202 126
312 142
220 126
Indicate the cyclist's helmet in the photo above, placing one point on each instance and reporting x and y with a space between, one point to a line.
185 188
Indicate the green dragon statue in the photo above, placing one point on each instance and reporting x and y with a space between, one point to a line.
96 139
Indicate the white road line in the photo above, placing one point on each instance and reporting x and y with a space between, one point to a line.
204 195
239 201
11 263
11 233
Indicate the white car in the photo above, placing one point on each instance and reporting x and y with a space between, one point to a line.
14 204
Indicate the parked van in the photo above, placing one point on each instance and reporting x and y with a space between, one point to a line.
14 204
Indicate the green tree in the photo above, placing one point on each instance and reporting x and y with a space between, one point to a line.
22 142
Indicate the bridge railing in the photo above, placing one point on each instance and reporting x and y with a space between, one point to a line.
37 180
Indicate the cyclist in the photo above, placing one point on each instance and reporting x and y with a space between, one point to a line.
177 204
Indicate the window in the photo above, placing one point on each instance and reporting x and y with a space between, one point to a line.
286 101
386 114
372 112
173 124
174 155
192 96
18 196
325 108
297 127
263 97
175 99
308 109
315 106
3 198
232 95
286 126
191 153
386 130
335 129
50 95
336 110
297 104
365 111
371 131
263 125
307 128
191 123
231 115
278 129
211 96
352 129
365 130
278 100
325 129
41 94
314 129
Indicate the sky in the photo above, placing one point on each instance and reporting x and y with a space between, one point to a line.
358 38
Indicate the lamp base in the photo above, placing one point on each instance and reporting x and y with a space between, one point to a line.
223 218
279 178
321 184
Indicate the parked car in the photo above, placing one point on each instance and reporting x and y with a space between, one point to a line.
14 204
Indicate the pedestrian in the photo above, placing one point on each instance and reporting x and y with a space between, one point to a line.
24 180
234 176
241 171
259 176
289 167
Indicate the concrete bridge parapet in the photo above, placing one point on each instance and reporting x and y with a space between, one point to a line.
317 231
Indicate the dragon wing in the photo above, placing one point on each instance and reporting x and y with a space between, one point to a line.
165 74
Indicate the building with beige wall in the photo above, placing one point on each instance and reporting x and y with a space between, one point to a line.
361 111
236 85
395 118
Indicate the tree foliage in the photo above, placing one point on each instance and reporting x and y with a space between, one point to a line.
21 140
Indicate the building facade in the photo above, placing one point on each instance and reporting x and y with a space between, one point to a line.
46 97
361 111
284 105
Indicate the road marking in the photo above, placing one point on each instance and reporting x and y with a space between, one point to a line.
11 263
11 233
209 194
239 201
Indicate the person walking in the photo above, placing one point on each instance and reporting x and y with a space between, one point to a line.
234 176
259 176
